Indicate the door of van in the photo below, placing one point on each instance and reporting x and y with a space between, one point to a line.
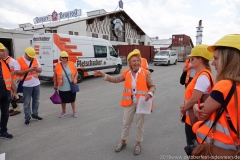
44 52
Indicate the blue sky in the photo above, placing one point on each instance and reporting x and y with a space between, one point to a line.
160 18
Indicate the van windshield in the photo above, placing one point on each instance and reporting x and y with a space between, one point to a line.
163 53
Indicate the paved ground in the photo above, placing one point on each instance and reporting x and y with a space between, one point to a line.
94 134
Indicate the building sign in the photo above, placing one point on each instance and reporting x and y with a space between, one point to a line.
118 27
57 16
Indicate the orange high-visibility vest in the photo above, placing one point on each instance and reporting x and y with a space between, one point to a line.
6 75
190 88
24 66
14 77
144 63
224 137
141 84
59 72
187 64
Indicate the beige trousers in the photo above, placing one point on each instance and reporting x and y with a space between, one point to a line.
128 116
18 106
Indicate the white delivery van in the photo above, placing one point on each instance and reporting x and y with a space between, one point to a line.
87 53
165 57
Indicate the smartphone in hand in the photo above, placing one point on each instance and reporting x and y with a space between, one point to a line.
183 118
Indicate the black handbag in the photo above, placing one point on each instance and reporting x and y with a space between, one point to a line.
183 78
74 87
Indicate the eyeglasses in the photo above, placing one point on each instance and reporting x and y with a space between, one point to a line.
64 57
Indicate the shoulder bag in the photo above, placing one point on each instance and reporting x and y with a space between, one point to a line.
74 87
20 84
183 78
209 150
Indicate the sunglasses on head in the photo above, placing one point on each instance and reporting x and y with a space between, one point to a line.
64 57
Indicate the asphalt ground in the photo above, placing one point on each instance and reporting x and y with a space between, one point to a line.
95 133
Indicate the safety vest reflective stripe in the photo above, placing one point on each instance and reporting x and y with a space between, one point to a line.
216 142
219 127
8 79
126 98
127 90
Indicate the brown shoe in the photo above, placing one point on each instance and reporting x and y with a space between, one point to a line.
14 113
137 150
11 110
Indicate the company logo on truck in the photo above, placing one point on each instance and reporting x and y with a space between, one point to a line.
89 63
41 38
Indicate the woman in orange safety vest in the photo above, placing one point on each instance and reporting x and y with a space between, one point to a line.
137 82
200 85
62 84
226 61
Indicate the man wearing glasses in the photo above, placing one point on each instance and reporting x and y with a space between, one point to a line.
28 69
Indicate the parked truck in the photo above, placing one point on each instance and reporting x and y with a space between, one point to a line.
87 53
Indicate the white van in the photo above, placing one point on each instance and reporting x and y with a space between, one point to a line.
87 53
165 57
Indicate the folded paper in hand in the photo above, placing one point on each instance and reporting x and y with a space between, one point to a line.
144 107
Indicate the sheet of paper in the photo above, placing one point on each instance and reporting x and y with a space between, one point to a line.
144 107
2 156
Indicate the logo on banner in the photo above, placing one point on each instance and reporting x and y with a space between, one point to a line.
54 16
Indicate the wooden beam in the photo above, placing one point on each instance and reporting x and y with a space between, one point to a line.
139 32
90 21
102 18
134 26
127 20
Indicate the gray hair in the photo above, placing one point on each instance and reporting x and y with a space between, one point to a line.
6 50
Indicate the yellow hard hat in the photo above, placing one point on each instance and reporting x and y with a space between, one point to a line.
2 46
134 52
231 40
201 51
30 52
63 54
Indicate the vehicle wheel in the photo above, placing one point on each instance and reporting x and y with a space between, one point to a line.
175 62
117 70
168 63
155 64
80 77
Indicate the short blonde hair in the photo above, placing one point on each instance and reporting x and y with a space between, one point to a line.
138 56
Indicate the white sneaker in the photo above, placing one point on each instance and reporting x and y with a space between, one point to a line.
62 114
75 115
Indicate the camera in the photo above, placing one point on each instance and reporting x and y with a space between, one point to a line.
14 103
189 148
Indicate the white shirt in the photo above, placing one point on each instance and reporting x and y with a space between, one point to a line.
192 71
12 63
34 81
134 86
203 84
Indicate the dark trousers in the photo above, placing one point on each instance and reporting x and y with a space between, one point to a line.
190 136
5 98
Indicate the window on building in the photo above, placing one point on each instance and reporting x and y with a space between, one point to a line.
48 31
149 43
113 52
54 31
30 42
76 33
94 35
100 51
70 32
134 40
105 37
173 37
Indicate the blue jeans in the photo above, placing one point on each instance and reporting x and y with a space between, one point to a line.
5 98
28 93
